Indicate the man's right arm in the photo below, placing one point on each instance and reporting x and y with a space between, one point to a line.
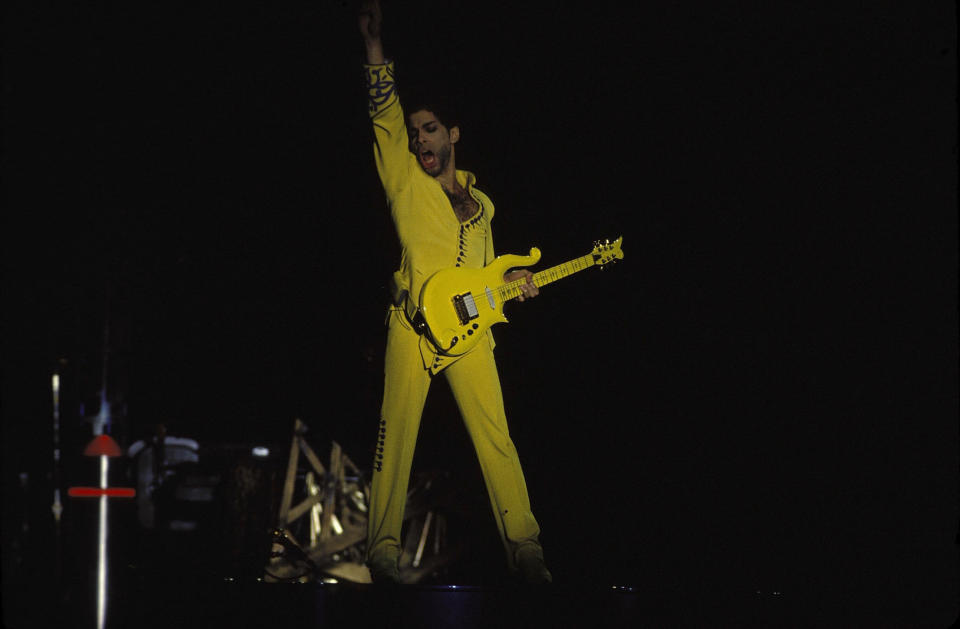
391 153
370 21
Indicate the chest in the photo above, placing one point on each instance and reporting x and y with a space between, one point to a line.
464 205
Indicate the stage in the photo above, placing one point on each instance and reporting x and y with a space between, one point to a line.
184 600
749 420
217 563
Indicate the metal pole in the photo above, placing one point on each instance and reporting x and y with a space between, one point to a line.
57 507
102 548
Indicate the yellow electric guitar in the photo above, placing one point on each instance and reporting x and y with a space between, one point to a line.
458 305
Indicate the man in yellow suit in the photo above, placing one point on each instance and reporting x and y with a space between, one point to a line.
442 221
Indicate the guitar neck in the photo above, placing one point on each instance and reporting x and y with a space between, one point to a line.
554 273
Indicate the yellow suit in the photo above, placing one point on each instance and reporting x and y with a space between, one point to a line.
433 238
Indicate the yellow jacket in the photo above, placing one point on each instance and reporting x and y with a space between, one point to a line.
426 225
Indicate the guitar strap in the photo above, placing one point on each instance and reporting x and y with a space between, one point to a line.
412 310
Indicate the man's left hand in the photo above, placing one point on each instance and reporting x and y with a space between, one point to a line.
527 289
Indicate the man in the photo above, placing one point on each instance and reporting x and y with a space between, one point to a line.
442 221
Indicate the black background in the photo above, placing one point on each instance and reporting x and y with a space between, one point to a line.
763 393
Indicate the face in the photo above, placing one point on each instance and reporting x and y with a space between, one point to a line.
431 142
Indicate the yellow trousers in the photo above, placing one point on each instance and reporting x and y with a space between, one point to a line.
475 385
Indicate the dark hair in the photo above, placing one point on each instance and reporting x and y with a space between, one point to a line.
441 103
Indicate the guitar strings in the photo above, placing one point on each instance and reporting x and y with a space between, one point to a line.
512 289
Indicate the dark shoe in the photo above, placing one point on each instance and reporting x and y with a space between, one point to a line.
384 571
531 566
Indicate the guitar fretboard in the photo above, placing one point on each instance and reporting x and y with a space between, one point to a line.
512 289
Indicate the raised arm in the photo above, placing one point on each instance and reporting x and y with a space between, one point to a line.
391 151
370 20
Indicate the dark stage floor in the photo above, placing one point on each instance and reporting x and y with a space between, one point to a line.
212 577
177 600
182 581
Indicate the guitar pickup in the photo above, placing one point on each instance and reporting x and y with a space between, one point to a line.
466 308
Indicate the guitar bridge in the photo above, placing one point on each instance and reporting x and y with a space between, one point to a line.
466 308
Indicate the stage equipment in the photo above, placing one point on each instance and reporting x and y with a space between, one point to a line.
428 549
323 536
57 506
175 493
104 447
334 507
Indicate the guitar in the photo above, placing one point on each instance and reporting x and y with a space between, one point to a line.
458 305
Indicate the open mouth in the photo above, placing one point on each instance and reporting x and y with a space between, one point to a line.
427 159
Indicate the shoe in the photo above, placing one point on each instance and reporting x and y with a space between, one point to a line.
384 571
531 566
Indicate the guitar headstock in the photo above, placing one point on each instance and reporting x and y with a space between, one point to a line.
605 251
